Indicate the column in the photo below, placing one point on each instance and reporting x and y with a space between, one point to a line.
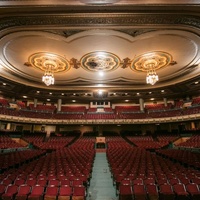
193 126
59 105
8 126
141 101
35 103
165 101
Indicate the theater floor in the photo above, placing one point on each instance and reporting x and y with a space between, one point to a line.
101 184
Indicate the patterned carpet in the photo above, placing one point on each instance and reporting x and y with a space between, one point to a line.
101 184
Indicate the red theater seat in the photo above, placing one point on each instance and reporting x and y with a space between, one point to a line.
2 189
37 193
125 192
51 193
65 193
139 192
193 190
10 192
180 191
152 192
166 192
23 192
79 193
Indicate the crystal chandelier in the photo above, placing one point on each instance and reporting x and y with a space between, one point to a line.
151 77
48 77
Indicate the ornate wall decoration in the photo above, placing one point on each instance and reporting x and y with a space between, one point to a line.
100 61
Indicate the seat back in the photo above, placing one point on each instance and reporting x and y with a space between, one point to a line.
24 189
79 191
52 190
192 188
37 190
125 189
12 189
65 191
151 189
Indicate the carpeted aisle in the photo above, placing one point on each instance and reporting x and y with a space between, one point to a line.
101 184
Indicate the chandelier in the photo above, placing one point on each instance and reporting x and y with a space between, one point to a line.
50 64
151 62
48 78
151 77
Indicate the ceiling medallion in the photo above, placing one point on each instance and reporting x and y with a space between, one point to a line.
49 63
150 62
100 61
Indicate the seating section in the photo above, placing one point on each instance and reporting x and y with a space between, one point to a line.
73 109
36 174
4 102
193 142
65 173
54 143
146 142
43 111
127 109
185 157
157 107
42 108
141 174
7 142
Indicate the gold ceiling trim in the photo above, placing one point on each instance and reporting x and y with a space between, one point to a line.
158 59
100 61
43 60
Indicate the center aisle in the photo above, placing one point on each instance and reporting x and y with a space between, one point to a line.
101 184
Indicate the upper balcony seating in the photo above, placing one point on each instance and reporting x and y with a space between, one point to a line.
91 110
43 108
195 101
108 110
80 112
4 102
21 105
178 104
127 109
73 109
158 107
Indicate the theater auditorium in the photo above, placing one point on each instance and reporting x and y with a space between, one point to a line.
99 100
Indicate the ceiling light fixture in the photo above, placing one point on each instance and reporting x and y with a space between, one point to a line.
151 77
49 63
48 77
150 63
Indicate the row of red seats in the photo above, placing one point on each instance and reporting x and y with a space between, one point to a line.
96 115
70 166
7 142
13 159
186 157
38 192
41 107
141 167
165 191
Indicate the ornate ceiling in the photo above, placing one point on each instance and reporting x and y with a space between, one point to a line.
106 45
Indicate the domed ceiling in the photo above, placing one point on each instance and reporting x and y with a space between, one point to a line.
96 47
